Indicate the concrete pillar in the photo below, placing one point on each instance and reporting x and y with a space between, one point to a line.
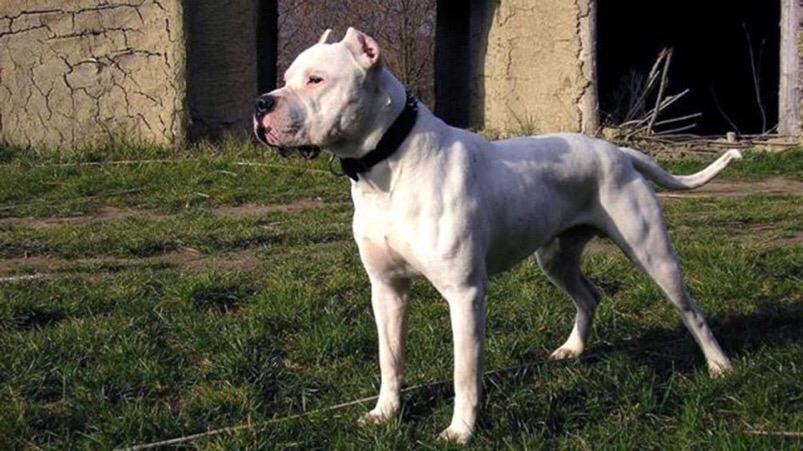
533 69
789 100
90 72
86 72
221 66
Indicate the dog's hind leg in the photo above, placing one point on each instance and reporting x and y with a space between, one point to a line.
636 225
560 261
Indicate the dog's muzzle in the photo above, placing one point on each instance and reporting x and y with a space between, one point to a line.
263 105
261 132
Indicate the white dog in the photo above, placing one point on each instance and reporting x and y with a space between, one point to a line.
435 201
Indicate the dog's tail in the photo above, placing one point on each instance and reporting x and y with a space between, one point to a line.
650 169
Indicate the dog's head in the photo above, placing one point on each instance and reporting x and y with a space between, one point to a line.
328 91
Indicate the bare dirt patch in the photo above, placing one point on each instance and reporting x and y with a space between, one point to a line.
108 213
185 259
792 241
776 186
243 260
246 210
104 214
760 234
770 234
9 266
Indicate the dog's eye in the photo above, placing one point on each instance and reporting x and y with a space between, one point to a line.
314 80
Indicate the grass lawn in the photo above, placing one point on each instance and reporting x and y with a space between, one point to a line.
161 293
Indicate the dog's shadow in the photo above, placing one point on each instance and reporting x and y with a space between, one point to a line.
664 352
667 351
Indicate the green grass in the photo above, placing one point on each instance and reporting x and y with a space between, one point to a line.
128 341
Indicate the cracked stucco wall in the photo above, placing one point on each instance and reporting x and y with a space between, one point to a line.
85 72
534 66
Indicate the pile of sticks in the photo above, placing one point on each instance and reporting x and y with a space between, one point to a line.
646 124
641 125
713 144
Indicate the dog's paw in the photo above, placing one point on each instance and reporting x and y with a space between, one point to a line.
720 369
564 353
375 416
456 435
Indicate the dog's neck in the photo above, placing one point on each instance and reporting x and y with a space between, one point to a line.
380 115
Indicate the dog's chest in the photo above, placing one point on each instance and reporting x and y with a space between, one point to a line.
385 235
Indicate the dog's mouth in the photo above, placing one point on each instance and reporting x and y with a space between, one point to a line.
264 136
308 152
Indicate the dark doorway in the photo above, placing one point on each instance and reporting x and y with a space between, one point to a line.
452 62
726 52
266 44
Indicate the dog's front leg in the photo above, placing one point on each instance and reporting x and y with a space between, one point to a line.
389 301
467 313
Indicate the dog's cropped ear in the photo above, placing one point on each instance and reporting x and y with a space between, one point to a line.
363 47
324 39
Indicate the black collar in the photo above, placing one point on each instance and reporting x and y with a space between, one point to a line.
390 142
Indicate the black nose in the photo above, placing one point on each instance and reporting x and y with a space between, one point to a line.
265 104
